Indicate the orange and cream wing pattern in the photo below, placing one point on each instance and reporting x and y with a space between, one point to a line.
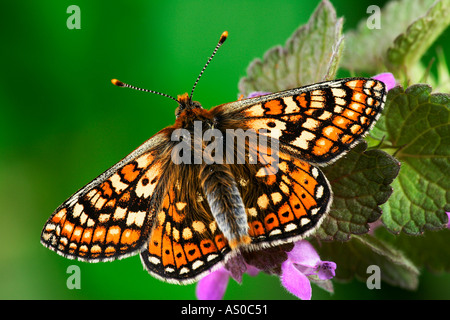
290 203
317 123
111 217
284 200
185 242
147 203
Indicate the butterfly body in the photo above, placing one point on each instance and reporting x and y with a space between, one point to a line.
240 177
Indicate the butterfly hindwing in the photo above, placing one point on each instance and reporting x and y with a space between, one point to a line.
285 198
185 241
110 217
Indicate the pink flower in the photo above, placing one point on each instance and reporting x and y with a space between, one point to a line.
387 78
257 94
304 264
448 222
214 285
296 264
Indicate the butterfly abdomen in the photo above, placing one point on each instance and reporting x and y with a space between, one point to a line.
225 202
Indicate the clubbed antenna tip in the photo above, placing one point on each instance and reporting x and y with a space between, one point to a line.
222 39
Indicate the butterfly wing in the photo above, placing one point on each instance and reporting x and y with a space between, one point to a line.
285 198
186 241
111 217
317 123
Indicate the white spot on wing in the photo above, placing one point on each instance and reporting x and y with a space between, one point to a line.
304 139
310 124
304 221
118 185
291 106
315 172
338 92
275 232
197 264
184 270
211 257
290 227
154 260
319 192
77 210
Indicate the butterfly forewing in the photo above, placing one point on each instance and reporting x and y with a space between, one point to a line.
112 216
317 123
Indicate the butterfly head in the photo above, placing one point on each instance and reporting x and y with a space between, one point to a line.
186 103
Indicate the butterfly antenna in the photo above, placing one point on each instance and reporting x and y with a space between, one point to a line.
122 84
223 37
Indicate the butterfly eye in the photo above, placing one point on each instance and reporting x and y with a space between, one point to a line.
196 104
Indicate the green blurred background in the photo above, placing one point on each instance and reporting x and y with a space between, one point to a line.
62 122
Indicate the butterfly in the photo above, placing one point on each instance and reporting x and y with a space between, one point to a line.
187 218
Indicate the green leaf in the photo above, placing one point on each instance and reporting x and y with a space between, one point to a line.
439 82
443 75
431 251
310 55
360 182
416 124
355 256
366 49
409 46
